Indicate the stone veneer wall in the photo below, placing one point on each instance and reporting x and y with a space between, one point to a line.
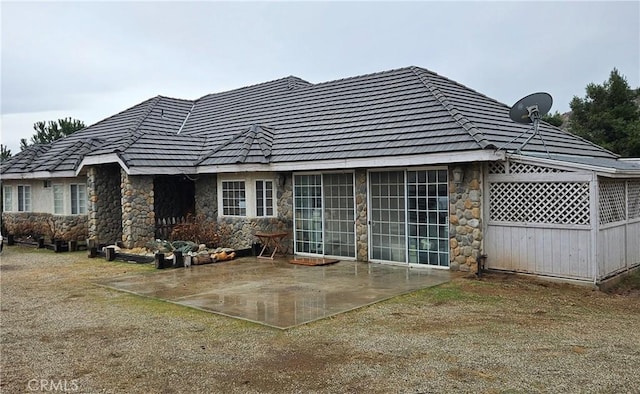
105 204
64 227
138 217
362 228
206 190
465 224
239 232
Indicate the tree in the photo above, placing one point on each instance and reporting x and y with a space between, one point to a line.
555 119
51 131
609 115
4 153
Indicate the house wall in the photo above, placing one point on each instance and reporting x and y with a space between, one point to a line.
63 227
42 197
465 217
238 232
105 204
41 220
138 217
206 189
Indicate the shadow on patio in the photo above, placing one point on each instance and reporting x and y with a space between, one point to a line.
279 294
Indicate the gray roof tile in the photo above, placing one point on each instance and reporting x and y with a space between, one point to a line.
398 112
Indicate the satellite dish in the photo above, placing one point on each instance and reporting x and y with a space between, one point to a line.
530 109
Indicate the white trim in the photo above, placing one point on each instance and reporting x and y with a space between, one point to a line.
103 159
550 226
595 224
40 175
542 177
604 171
348 164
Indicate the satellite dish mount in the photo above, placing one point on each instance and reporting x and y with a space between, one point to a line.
529 110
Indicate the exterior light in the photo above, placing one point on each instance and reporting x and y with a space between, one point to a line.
458 175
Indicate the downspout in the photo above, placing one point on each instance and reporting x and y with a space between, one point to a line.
484 209
595 224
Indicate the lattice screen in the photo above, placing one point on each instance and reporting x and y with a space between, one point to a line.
521 168
612 201
500 167
539 202
633 199
497 167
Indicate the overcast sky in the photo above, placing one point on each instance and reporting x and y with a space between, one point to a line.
90 60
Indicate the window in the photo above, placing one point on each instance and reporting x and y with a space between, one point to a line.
78 199
247 195
264 198
234 201
8 198
58 199
24 198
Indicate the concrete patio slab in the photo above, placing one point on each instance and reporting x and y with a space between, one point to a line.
279 294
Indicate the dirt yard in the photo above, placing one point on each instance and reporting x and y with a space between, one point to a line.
499 334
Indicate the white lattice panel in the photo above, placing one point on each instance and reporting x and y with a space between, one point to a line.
633 199
522 168
612 201
497 167
540 202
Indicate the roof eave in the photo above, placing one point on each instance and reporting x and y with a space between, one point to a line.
600 170
41 175
102 159
443 158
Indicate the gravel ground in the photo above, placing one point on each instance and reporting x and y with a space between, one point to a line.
500 334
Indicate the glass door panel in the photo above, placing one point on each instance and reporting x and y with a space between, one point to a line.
428 217
308 211
339 215
387 197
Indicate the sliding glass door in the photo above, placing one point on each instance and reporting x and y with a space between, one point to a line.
324 209
409 216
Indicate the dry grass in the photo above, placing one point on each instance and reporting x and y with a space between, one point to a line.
498 334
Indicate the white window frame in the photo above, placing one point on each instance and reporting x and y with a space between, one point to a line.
58 191
241 202
263 199
251 210
7 192
24 194
80 209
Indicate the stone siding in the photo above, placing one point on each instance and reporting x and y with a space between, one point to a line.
238 233
465 224
63 227
362 228
138 217
206 190
105 204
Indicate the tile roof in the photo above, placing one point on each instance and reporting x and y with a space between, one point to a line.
406 111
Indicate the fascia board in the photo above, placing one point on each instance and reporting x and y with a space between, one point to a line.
41 175
345 164
604 171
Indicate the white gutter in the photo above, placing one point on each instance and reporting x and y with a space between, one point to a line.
41 175
345 164
605 171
